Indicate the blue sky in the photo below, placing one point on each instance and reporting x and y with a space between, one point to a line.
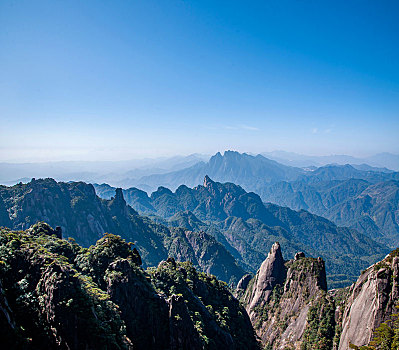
128 79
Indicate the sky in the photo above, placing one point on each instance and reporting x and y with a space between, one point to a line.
113 80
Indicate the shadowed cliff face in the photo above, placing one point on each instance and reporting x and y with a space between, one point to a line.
371 301
288 304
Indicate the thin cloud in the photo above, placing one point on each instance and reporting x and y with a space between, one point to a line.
248 127
240 127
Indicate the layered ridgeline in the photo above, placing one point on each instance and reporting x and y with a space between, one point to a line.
85 217
290 308
247 227
371 208
360 197
55 294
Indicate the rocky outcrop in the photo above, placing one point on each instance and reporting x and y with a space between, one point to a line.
271 273
371 301
287 303
183 334
242 285
58 295
145 313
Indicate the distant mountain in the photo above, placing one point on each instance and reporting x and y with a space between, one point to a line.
241 168
381 160
247 227
324 191
345 172
256 172
117 173
369 207
85 217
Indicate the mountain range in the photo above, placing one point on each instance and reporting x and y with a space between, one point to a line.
256 172
83 216
364 198
118 173
127 173
384 161
247 227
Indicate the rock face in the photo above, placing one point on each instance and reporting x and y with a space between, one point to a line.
271 273
371 301
288 304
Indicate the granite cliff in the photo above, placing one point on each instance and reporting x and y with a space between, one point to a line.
371 302
288 304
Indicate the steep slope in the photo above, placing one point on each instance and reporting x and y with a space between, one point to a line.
371 208
374 211
85 217
288 304
58 295
372 300
247 228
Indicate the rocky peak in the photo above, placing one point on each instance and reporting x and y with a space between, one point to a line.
271 273
244 281
242 285
216 158
118 203
284 295
119 196
207 181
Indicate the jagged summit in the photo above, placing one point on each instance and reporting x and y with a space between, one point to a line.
207 181
119 196
283 296
271 273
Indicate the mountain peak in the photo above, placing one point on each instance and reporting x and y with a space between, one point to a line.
207 181
276 249
119 196
231 153
271 273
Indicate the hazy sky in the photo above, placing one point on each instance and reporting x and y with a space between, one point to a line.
127 79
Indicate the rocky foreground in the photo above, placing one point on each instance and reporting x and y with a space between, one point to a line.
56 294
290 307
